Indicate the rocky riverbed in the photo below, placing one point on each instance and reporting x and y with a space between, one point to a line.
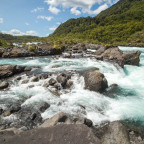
79 91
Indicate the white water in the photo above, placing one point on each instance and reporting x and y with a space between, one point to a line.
127 103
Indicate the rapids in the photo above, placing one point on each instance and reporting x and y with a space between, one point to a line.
126 103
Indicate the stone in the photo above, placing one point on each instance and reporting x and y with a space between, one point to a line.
44 107
62 80
95 81
15 108
52 81
4 85
6 113
116 134
132 58
25 81
58 118
59 134
35 79
1 111
69 84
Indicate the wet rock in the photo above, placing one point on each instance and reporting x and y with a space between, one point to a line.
4 85
29 117
25 81
132 58
116 134
44 107
1 111
95 81
58 118
52 81
31 86
67 55
19 69
15 108
69 84
113 85
114 55
44 76
46 85
6 113
28 69
62 80
82 120
18 78
35 79
57 86
59 134
7 70
56 66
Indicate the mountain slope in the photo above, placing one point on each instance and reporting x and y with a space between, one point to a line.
123 23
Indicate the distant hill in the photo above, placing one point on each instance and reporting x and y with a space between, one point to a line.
123 23
7 37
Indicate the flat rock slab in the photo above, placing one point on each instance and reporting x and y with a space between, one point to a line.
59 134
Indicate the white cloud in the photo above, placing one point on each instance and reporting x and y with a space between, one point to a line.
52 28
75 11
48 18
54 10
27 24
1 20
37 9
16 32
85 6
97 11
58 23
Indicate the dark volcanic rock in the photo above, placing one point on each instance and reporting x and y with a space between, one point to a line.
4 85
132 58
95 81
60 134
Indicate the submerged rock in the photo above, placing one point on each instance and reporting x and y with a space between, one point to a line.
95 81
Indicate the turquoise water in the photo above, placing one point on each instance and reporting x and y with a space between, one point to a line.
126 103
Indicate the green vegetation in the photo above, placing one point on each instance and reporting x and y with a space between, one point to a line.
122 24
7 40
31 47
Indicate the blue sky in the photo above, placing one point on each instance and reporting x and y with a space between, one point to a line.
42 17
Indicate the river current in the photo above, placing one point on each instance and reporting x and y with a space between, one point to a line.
126 103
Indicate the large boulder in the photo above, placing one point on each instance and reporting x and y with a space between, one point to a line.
7 70
58 118
116 134
132 58
60 134
114 55
95 81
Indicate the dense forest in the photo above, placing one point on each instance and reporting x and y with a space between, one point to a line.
121 24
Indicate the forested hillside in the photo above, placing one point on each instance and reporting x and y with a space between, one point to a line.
123 23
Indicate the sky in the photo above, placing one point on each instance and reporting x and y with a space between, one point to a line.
42 17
